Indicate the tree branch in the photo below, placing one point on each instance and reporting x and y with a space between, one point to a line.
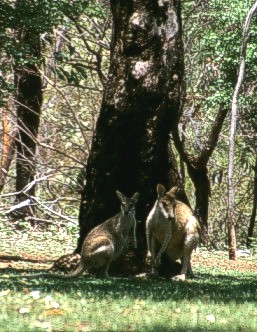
213 136
208 148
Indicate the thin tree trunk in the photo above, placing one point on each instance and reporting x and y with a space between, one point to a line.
140 104
233 123
231 187
254 208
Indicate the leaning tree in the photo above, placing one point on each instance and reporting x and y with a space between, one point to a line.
140 104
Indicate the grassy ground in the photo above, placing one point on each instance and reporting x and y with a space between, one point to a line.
216 300
223 297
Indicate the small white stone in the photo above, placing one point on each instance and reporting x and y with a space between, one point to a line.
24 310
211 318
35 294
140 69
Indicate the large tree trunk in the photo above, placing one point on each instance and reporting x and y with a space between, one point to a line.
140 104
29 99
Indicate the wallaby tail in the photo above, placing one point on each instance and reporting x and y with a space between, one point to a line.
79 270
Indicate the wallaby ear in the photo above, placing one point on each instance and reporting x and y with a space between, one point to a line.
172 192
135 197
160 190
120 196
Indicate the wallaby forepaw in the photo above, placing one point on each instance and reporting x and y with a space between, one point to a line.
142 275
157 261
179 277
148 259
154 273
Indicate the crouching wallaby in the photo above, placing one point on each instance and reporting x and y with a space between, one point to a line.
106 242
171 228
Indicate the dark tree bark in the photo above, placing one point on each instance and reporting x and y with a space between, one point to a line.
254 208
28 102
139 108
176 177
198 171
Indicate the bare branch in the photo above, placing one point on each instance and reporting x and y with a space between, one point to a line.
67 101
27 187
53 212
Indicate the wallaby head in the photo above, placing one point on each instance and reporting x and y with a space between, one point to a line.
128 211
127 204
166 200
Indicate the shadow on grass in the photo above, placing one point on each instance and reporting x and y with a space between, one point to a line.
211 287
161 328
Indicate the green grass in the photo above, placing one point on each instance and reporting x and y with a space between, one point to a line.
216 300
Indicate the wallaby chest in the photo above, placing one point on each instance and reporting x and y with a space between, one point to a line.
182 213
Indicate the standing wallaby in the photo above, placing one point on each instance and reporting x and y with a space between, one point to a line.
106 242
171 228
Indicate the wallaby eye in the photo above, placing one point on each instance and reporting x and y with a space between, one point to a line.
165 204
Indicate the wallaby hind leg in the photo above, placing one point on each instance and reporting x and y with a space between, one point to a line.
190 270
102 272
154 250
101 258
106 272
183 273
191 242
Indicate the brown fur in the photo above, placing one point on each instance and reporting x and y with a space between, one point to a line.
106 242
66 263
171 228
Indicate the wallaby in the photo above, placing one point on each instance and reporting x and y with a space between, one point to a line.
171 228
106 242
